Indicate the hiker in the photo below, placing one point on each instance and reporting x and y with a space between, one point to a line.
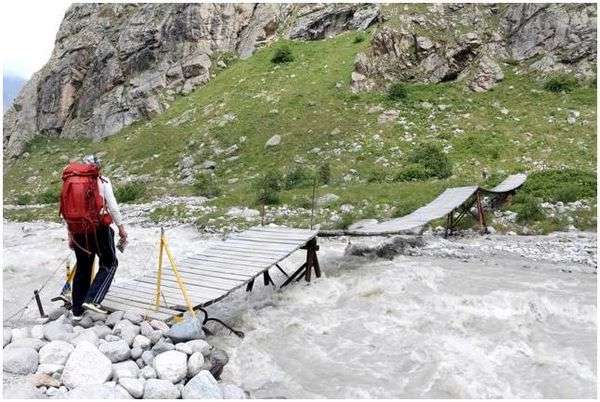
88 205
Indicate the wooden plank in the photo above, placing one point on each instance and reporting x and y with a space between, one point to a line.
134 304
237 256
208 281
284 229
235 259
117 306
246 251
210 277
264 245
265 240
275 236
198 287
233 262
171 294
141 297
216 271
233 268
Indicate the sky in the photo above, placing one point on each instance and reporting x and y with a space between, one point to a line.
28 30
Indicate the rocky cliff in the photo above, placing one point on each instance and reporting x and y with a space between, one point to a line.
469 42
114 64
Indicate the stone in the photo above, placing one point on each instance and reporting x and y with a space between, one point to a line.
87 335
218 359
162 346
55 352
56 313
50 369
140 362
487 74
58 330
136 352
134 386
101 331
156 324
171 366
112 338
202 386
148 357
145 328
231 391
20 360
155 336
184 347
135 318
20 333
195 364
327 199
273 141
109 390
44 380
128 369
160 389
148 372
86 322
114 317
116 351
86 366
26 343
126 330
140 341
95 316
199 345
186 330
37 332
209 165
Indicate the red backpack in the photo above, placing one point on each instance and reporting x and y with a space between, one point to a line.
80 201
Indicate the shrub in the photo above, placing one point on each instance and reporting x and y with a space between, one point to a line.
560 83
267 188
413 172
49 196
206 185
434 161
377 175
298 176
560 185
130 192
360 37
324 173
397 92
528 208
347 220
283 55
24 199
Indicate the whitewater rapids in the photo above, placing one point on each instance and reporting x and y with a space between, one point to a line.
476 317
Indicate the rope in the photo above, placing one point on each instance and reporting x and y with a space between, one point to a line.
21 311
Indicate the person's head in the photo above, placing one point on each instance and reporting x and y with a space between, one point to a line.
92 160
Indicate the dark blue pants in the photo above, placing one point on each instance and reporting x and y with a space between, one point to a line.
87 246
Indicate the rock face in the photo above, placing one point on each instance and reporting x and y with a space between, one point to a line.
114 64
429 47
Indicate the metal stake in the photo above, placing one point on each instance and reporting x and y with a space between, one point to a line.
39 303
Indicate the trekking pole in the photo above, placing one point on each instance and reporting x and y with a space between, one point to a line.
36 294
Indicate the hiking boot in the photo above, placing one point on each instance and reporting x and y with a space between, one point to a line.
94 307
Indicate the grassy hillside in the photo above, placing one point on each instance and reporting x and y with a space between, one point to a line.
517 126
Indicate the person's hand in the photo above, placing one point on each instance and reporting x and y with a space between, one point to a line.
122 232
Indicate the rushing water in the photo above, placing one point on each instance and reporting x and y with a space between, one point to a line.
483 318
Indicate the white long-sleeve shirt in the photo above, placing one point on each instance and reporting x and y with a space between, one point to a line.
106 191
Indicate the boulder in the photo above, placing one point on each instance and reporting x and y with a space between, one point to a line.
160 389
94 316
86 366
56 313
156 324
109 390
202 386
186 330
44 380
162 346
327 199
59 330
142 342
87 335
20 333
55 352
184 347
195 364
112 338
273 141
33 343
114 317
140 363
49 368
136 352
126 330
171 366
86 322
134 386
218 359
145 328
116 351
231 391
101 330
20 360
37 331
156 335
126 369
147 372
135 318
199 345
147 357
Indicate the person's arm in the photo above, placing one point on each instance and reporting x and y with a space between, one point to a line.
113 207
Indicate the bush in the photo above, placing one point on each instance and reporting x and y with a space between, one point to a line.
267 188
298 176
347 220
206 186
360 37
434 161
130 192
49 196
24 199
283 55
397 92
560 83
377 175
528 208
414 172
324 173
560 185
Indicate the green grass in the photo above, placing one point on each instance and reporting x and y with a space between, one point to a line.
308 103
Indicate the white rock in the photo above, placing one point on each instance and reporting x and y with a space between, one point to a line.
116 351
59 330
126 330
86 366
136 353
126 369
160 389
114 318
148 372
184 347
110 390
50 368
87 335
231 391
20 333
199 345
20 360
33 343
202 386
148 357
134 386
195 364
171 366
273 141
135 318
37 331
327 199
140 341
56 352
156 324
101 330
